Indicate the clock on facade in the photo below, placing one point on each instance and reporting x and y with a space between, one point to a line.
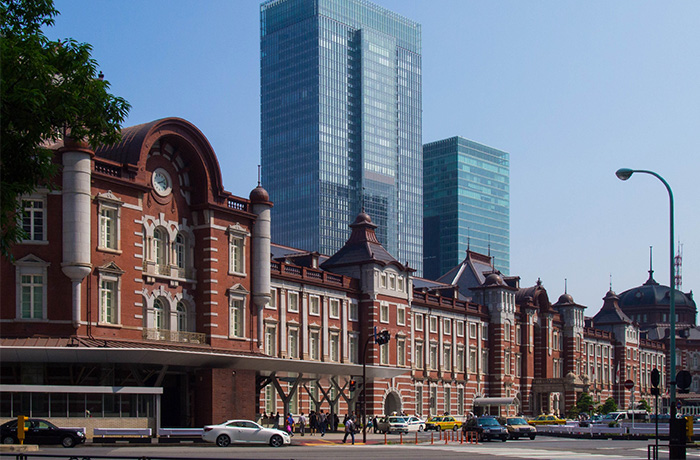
162 184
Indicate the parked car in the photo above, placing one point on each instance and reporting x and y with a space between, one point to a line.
492 429
621 416
518 427
244 431
443 423
392 424
415 423
41 431
547 420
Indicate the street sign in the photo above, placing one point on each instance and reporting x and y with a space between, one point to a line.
629 384
655 378
679 404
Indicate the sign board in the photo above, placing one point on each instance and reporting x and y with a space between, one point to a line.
629 384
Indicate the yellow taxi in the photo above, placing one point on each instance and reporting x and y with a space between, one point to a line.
443 423
547 420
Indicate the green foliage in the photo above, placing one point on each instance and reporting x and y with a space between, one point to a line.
47 88
608 406
584 403
643 405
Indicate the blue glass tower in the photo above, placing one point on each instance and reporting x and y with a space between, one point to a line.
466 204
341 123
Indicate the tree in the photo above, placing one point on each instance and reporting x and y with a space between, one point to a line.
644 405
608 406
47 89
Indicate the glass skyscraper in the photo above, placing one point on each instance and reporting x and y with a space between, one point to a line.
466 193
341 123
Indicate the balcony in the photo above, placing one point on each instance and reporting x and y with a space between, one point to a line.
174 336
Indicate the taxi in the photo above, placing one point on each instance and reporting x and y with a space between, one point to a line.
547 420
443 423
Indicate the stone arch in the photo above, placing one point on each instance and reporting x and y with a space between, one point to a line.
392 402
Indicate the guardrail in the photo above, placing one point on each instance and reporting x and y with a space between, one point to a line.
167 432
141 432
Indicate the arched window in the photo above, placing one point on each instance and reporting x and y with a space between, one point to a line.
160 314
180 251
160 245
181 317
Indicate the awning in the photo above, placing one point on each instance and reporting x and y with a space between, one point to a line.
483 402
193 358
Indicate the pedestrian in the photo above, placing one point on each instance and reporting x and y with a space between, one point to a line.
313 422
290 424
336 422
349 430
302 423
322 423
375 424
276 421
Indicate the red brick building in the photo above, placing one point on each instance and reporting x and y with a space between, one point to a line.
148 296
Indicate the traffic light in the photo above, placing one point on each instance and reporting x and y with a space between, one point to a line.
353 385
382 337
21 427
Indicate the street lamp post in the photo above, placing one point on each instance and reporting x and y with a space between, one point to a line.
624 174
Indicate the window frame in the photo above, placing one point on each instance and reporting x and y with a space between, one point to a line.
31 265
109 203
42 211
236 304
384 313
113 274
317 300
401 315
292 295
334 308
237 246
419 319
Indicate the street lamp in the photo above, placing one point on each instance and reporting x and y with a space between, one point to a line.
380 338
624 174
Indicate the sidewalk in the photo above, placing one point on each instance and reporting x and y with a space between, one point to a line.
337 438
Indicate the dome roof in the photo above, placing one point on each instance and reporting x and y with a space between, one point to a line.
565 299
259 195
653 294
494 279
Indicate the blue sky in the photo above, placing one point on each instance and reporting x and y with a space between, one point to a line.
573 90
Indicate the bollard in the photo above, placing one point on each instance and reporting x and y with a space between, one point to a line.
385 438
432 438
416 437
401 438
461 437
445 437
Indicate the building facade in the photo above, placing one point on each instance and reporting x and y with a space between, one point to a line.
466 204
341 123
146 296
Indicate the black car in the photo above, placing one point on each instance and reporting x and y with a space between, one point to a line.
40 431
492 429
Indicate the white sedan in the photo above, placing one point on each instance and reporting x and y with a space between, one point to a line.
415 424
244 431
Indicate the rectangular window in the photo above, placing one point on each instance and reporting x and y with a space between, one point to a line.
293 347
400 352
33 219
447 326
384 353
506 332
354 312
460 359
433 356
518 365
392 282
484 331
236 254
271 340
484 361
460 328
384 313
236 318
401 316
314 305
518 333
448 399
433 325
32 289
270 399
418 358
460 401
108 228
419 321
382 281
315 345
472 330
506 367
334 305
273 300
433 400
419 401
354 348
108 302
293 302
447 357
334 347
472 360
400 283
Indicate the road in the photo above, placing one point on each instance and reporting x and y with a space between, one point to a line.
330 447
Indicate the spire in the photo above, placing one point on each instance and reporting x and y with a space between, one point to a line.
565 287
259 176
651 280
468 240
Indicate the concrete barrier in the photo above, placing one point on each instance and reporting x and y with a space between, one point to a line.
142 432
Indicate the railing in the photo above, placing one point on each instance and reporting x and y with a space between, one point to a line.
232 203
107 169
173 336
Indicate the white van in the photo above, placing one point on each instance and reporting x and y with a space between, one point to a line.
624 416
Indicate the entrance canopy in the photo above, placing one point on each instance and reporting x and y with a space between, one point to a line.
484 402
172 355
